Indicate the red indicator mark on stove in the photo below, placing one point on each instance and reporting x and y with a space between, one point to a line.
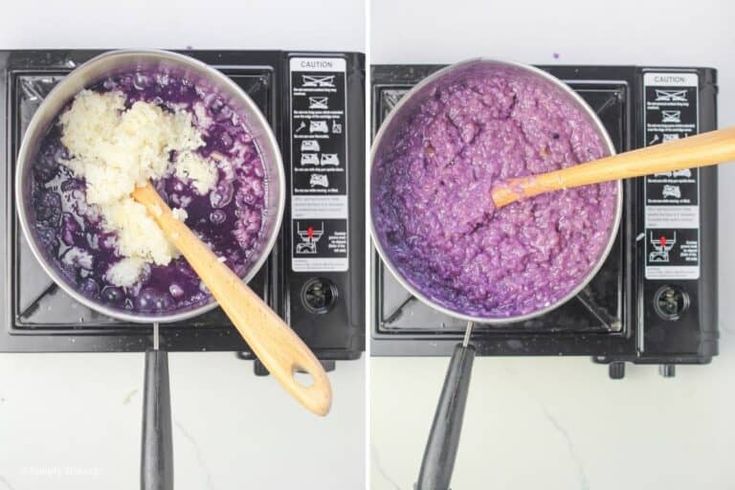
310 232
663 241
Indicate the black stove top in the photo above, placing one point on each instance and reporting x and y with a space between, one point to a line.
635 309
323 300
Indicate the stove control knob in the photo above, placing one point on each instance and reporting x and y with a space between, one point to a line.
318 295
670 302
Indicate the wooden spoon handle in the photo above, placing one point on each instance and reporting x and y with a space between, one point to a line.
695 151
280 350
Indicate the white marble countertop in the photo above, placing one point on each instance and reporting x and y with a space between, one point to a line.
72 421
560 424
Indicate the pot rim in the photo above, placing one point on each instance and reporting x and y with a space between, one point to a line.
267 138
602 132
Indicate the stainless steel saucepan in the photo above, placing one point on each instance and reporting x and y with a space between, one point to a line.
122 61
441 448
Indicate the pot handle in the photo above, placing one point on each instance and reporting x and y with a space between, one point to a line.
441 448
156 465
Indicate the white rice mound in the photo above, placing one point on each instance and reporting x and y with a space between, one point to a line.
115 150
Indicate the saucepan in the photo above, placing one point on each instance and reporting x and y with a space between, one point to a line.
391 139
157 458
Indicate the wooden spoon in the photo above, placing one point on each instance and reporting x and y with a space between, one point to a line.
695 151
280 350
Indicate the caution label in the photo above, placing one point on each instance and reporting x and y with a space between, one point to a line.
671 198
319 194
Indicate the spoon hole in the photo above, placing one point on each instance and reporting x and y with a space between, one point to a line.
302 377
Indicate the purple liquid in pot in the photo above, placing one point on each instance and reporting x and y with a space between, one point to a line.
433 211
229 218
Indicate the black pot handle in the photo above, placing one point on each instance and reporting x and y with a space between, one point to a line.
441 448
156 466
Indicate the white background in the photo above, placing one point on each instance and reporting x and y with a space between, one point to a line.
560 424
531 423
81 414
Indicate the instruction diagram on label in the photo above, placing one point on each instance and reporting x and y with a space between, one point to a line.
671 191
319 201
321 81
672 253
670 117
319 243
309 145
671 198
308 238
669 95
316 127
661 245
319 103
319 180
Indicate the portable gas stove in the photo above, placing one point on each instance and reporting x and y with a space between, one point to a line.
655 299
315 102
